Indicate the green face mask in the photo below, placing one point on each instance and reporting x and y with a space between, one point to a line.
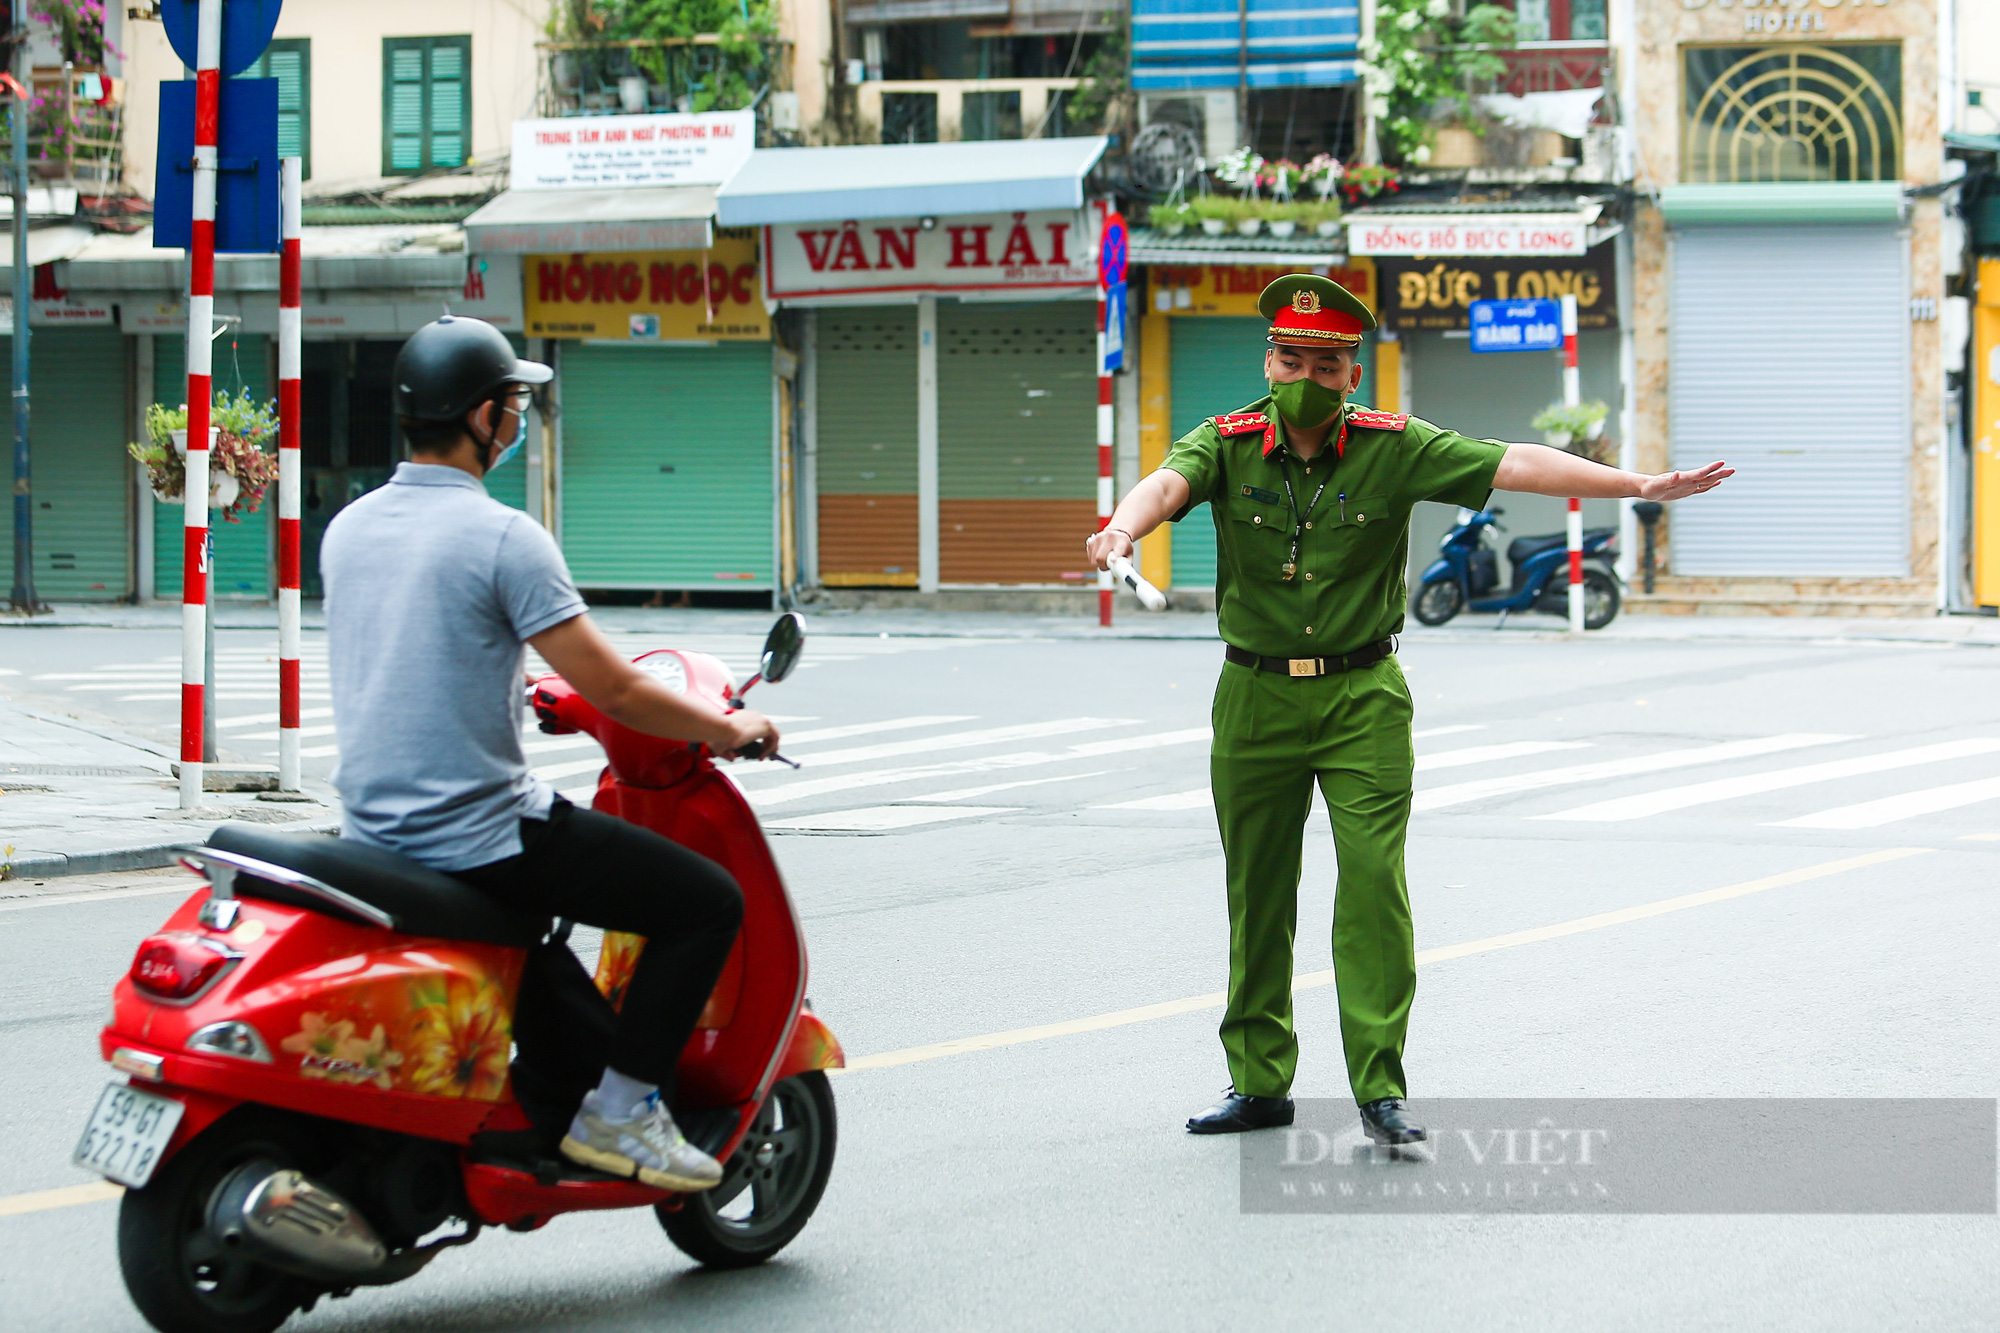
1306 402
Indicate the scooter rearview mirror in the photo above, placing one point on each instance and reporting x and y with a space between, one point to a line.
782 647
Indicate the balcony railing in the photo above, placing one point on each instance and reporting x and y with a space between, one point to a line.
1551 67
71 136
704 72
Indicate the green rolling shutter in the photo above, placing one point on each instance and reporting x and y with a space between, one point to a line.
1217 368
426 103
83 484
1017 441
666 466
244 551
289 61
867 446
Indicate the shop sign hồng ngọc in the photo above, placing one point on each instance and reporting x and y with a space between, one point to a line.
1049 251
649 296
1421 294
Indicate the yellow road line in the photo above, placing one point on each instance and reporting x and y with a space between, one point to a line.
67 1196
1312 980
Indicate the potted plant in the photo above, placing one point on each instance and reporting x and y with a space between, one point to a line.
1565 427
239 470
1173 219
1358 183
1215 212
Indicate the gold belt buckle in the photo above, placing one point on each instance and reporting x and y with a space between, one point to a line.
1305 666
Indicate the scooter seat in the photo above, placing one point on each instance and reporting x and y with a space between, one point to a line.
421 900
1523 549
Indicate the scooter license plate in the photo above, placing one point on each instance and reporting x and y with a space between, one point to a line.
126 1134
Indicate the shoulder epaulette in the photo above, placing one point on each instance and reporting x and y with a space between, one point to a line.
1240 423
1370 420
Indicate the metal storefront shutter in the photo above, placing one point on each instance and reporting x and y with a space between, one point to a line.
1218 367
667 466
245 551
1791 360
867 446
1017 442
82 476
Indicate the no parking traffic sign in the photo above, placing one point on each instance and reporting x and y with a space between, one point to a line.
247 26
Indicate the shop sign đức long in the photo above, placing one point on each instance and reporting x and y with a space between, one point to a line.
1422 294
1048 253
649 295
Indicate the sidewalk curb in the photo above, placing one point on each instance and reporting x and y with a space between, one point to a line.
145 856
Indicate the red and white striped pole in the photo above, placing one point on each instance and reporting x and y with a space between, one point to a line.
1572 395
1104 585
201 330
290 189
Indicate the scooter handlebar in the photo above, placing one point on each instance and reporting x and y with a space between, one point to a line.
1149 597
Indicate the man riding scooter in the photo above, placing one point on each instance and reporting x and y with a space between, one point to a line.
433 591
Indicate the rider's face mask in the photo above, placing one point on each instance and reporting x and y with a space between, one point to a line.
516 403
1305 402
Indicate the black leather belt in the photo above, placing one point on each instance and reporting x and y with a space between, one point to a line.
1312 666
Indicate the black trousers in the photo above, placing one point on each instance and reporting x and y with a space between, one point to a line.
605 872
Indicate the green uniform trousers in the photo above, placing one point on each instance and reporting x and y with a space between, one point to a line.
1274 736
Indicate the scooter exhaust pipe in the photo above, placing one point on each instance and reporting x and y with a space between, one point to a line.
283 1218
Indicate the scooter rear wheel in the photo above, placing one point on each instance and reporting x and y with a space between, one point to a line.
1600 599
1438 602
770 1185
182 1278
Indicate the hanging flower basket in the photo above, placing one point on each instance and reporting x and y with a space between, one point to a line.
239 471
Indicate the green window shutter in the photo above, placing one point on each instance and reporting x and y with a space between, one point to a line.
289 61
426 103
449 109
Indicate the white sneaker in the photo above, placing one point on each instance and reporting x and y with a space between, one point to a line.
649 1147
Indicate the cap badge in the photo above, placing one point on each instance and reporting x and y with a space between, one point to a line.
1306 302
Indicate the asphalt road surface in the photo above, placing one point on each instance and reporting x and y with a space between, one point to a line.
1012 840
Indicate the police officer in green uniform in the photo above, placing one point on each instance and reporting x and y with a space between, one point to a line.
1311 498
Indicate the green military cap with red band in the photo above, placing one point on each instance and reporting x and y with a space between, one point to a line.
1310 311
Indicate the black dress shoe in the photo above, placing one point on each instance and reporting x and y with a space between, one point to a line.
1237 1112
1388 1122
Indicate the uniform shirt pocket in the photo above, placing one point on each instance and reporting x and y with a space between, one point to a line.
1349 535
1260 537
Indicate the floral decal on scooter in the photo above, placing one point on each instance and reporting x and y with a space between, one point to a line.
616 959
440 1033
459 1038
331 1051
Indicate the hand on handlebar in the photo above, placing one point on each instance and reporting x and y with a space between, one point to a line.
1101 546
755 736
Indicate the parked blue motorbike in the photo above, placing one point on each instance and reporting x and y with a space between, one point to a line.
1466 574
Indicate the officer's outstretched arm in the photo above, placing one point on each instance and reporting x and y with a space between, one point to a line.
1146 506
1536 469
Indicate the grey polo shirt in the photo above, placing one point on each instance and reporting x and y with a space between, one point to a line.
432 590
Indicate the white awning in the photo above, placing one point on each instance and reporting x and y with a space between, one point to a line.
779 185
524 222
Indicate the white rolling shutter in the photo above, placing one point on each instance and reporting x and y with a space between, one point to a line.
1790 359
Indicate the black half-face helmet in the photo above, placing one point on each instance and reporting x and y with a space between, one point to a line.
448 368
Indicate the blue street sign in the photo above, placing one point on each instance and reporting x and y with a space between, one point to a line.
1112 251
1114 327
247 26
246 183
1517 326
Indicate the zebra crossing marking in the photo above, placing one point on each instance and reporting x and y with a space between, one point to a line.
1755 784
1459 793
1904 805
885 818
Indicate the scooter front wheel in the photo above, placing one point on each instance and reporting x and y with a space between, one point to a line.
1600 599
770 1185
1438 602
179 1274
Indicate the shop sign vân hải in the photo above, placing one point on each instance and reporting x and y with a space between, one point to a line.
1438 293
649 295
1046 253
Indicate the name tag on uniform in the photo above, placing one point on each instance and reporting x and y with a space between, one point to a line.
1263 496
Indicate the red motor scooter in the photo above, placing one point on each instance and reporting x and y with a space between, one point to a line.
317 1045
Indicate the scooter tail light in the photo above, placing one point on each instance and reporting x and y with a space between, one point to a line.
177 967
